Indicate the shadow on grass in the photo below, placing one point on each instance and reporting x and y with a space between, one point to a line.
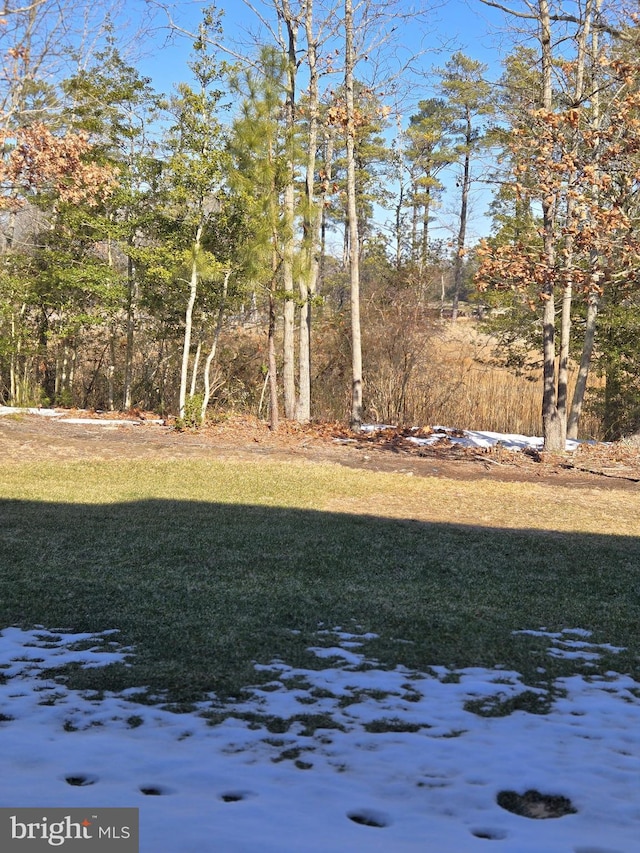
202 591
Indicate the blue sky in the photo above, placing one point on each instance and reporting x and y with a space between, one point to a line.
466 25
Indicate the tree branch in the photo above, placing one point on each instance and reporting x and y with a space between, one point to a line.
565 19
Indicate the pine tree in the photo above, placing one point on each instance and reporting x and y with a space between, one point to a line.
258 147
428 152
118 107
469 98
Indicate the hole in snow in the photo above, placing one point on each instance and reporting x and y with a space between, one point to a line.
236 796
154 790
489 834
535 805
368 817
80 779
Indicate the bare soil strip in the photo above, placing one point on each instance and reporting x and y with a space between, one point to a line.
75 436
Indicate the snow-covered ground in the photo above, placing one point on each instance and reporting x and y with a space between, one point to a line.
480 438
475 438
377 760
63 416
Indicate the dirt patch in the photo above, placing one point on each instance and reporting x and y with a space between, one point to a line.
80 435
535 805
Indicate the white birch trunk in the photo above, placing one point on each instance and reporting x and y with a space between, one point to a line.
188 320
214 346
194 369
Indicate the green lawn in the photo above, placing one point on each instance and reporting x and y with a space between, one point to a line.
206 568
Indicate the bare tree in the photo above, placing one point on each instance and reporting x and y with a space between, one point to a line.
562 173
352 213
312 213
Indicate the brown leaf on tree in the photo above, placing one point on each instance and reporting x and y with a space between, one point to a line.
41 161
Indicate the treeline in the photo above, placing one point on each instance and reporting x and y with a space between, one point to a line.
262 237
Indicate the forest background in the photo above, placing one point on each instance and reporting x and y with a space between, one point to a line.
327 211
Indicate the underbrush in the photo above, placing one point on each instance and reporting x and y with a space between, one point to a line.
432 372
418 370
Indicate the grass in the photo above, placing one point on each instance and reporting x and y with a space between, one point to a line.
206 568
488 396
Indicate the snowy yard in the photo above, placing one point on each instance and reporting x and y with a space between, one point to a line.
370 759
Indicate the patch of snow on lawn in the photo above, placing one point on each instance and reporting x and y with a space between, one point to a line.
17 410
563 647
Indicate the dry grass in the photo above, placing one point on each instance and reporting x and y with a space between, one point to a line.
499 505
461 384
417 371
328 488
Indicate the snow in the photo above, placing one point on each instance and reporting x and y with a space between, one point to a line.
21 410
65 418
479 438
574 649
398 749
470 438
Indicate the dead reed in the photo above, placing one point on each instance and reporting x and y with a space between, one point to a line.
455 378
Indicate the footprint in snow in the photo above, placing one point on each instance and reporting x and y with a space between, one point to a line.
369 817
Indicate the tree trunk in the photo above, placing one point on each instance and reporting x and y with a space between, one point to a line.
132 298
551 424
111 369
424 248
415 213
458 267
552 428
611 420
288 364
354 243
592 8
583 371
399 225
15 359
46 369
193 291
311 230
214 346
326 187
274 420
562 394
72 368
567 296
196 364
